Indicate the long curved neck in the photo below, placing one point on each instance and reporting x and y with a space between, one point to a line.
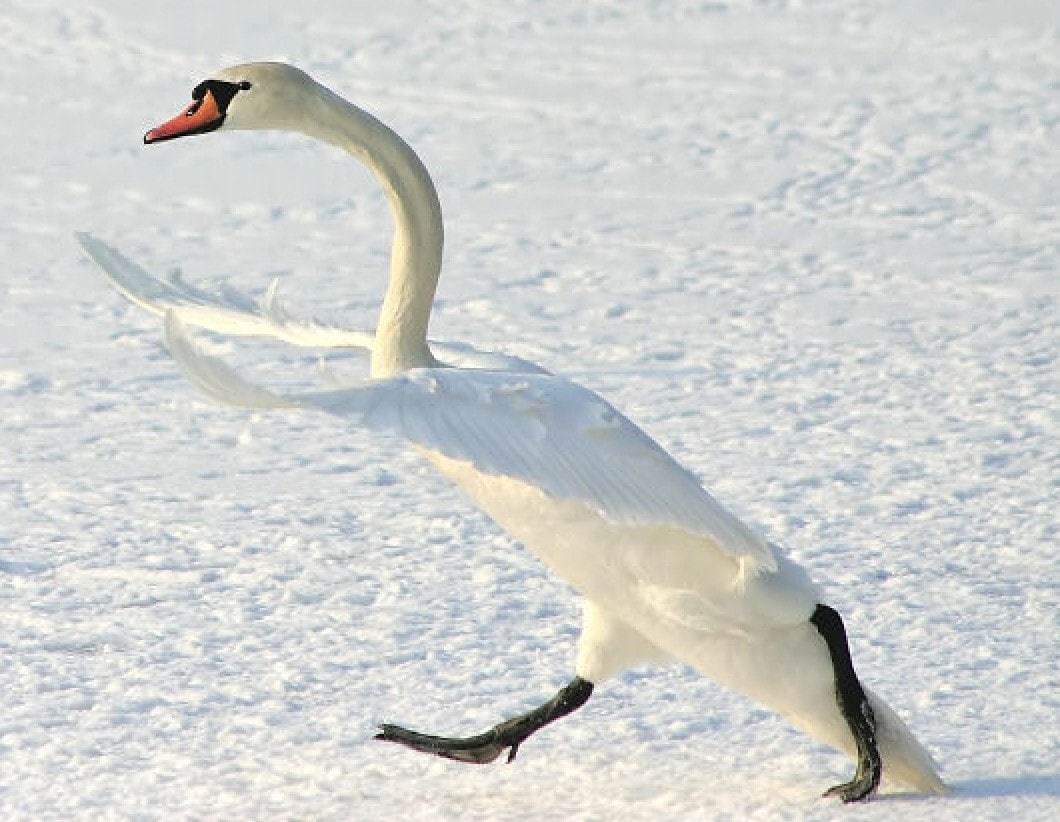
416 253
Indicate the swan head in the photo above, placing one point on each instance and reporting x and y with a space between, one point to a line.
250 96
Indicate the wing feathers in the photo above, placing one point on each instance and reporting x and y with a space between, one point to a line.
232 312
503 415
539 429
213 377
227 313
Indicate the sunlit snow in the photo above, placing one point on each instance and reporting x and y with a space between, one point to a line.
813 248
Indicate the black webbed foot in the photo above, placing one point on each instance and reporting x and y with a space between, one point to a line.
480 749
510 734
870 768
856 790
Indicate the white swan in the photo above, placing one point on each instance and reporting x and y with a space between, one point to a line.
666 571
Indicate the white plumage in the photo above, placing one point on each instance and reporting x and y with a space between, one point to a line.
667 571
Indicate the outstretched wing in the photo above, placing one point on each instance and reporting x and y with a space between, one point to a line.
503 415
227 313
542 430
236 314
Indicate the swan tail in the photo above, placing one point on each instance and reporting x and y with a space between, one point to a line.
790 671
229 312
905 760
214 377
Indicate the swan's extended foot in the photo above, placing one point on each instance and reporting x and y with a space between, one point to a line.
854 706
486 747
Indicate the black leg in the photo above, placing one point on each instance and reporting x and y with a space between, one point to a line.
486 747
854 706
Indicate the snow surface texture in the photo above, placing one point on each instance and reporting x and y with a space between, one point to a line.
812 247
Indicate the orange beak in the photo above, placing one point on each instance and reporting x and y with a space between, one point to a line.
201 116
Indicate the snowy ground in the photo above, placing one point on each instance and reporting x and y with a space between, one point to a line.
812 247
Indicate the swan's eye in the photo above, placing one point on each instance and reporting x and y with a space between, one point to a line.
198 94
222 92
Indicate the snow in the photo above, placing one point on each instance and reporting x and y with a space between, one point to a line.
812 247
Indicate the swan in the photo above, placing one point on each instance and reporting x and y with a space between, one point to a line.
666 572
